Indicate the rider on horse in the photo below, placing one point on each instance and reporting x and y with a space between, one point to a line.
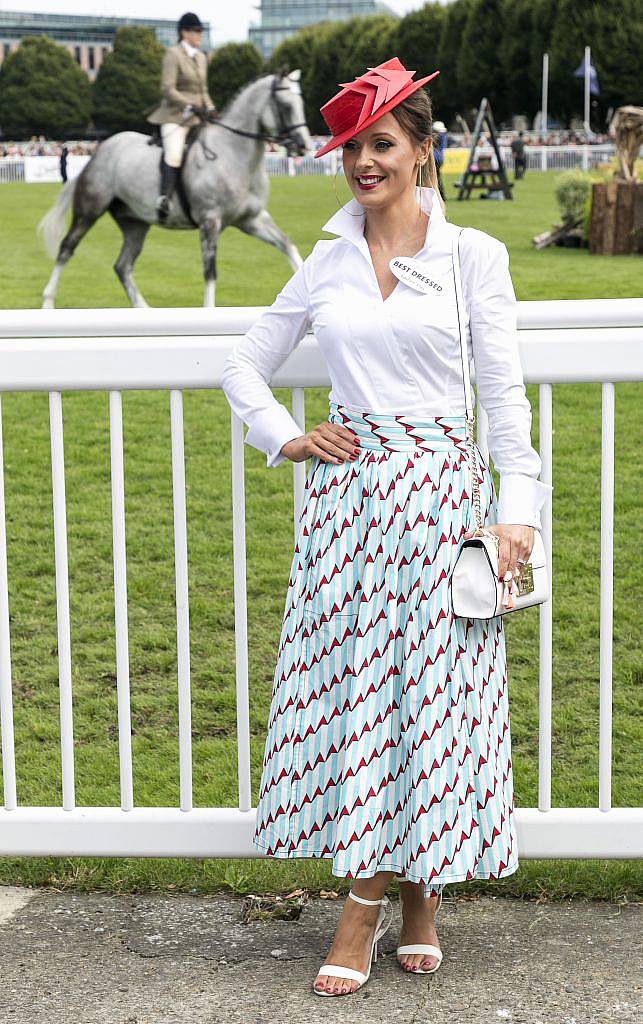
186 100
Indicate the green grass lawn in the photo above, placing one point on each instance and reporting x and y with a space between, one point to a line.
252 273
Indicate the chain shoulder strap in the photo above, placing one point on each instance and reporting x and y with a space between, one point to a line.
466 376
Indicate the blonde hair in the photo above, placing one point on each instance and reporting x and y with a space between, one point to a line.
415 117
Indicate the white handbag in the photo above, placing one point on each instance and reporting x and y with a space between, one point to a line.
477 592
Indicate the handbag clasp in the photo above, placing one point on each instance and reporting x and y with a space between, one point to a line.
525 581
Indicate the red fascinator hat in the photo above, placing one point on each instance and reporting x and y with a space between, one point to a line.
368 98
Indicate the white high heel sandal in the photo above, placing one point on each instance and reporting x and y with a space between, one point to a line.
337 970
423 947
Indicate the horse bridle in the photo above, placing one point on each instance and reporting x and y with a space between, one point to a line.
284 128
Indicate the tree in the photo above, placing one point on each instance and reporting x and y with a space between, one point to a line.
232 66
480 71
128 81
572 30
368 41
43 91
542 23
523 90
618 44
451 93
416 41
614 32
294 52
331 52
325 74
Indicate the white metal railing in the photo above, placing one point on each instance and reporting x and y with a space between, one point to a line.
11 170
117 349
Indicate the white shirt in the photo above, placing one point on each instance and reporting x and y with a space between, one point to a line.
402 354
192 50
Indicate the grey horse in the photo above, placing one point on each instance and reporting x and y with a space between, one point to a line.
224 176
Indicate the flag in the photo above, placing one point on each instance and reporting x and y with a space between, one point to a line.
593 77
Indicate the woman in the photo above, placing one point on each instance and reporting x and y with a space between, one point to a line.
184 85
388 747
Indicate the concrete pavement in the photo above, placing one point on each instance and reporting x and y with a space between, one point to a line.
70 958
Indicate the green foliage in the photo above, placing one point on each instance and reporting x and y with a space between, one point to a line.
572 190
614 31
480 72
332 52
416 41
292 53
481 47
587 213
542 24
232 66
455 19
366 42
43 91
128 81
325 75
490 48
522 84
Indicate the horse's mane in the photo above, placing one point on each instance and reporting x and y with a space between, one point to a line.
243 88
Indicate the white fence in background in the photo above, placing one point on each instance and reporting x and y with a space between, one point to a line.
11 169
47 168
40 169
539 158
116 350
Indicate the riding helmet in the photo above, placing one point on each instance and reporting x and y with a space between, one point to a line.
190 21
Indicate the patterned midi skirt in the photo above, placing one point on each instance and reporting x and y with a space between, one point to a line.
388 745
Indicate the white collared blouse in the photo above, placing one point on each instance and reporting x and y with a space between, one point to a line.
190 50
400 354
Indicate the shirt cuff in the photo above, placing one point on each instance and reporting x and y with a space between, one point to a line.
521 499
270 430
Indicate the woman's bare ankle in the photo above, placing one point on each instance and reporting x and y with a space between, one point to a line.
412 895
372 888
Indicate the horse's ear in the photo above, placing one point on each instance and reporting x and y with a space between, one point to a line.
294 76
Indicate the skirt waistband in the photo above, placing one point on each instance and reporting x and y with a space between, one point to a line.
399 432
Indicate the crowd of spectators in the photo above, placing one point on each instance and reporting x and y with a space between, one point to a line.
557 138
40 146
535 138
459 140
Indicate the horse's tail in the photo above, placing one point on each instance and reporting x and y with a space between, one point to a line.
52 225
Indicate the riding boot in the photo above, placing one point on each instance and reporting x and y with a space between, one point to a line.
168 184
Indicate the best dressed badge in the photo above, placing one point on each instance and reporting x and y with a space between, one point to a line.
413 273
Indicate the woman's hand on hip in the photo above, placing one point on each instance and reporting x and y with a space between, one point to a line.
331 442
516 542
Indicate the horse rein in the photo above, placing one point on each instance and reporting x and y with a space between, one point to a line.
284 129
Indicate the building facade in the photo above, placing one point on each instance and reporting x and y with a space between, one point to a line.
87 38
282 18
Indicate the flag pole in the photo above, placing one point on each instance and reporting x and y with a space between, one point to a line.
543 105
588 64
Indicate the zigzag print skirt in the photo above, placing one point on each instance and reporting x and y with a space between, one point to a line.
388 745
